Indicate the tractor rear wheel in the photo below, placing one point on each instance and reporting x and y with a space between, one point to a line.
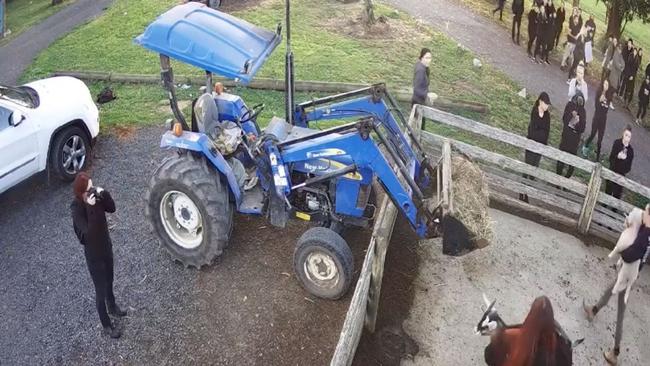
323 263
188 207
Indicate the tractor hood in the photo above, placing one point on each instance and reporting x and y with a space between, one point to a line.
211 40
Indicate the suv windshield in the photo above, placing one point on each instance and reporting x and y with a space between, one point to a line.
22 95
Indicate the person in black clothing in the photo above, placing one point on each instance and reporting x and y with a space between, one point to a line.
549 33
574 30
542 34
538 130
421 79
518 12
559 23
647 70
500 5
644 99
638 251
575 122
603 101
532 28
89 209
629 76
590 26
620 161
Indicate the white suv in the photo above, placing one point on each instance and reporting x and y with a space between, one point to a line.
47 123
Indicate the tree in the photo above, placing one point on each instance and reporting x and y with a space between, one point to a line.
620 12
370 12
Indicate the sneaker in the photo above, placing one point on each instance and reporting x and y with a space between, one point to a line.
611 357
589 311
611 106
113 332
568 82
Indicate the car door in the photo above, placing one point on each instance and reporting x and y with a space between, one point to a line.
18 149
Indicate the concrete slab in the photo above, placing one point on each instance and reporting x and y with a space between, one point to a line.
525 260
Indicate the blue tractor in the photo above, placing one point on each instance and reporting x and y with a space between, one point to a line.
223 162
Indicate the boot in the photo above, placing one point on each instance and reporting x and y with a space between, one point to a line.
113 332
115 310
589 311
611 357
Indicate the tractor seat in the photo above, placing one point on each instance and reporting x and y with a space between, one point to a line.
284 131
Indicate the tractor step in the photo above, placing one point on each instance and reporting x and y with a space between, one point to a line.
252 201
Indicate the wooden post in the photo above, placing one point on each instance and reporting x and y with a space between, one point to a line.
381 235
447 195
591 198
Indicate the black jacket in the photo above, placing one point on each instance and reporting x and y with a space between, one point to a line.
602 108
647 69
90 225
571 134
620 166
644 93
538 128
420 83
518 7
559 20
590 34
631 66
532 24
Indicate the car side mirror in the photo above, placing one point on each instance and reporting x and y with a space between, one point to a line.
17 118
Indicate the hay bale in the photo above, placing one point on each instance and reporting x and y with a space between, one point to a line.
471 199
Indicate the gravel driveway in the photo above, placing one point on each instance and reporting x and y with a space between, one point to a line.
247 310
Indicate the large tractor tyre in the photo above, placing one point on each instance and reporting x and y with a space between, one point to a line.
323 263
188 207
70 153
214 4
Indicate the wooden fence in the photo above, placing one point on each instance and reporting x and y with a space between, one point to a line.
365 300
554 197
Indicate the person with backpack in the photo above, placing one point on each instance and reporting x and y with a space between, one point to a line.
575 122
517 14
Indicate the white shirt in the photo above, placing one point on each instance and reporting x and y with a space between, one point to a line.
582 87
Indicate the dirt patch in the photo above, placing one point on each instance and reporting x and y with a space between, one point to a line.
350 21
389 344
123 133
238 5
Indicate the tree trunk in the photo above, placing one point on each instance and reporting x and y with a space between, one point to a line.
370 14
615 21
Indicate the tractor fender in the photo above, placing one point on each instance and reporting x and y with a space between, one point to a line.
199 142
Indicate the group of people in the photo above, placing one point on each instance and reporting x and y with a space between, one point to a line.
620 63
574 120
620 67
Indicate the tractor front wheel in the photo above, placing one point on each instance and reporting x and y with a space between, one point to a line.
189 209
323 263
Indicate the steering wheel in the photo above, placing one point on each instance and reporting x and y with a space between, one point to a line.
252 113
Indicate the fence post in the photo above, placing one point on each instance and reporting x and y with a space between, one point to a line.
591 198
447 194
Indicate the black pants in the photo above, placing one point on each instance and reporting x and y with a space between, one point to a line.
540 47
516 23
597 127
530 44
560 169
613 189
531 159
629 90
499 8
101 272
556 39
576 62
622 85
643 108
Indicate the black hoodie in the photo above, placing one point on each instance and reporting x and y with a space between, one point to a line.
621 166
571 131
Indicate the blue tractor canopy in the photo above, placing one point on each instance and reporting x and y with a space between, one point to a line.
211 40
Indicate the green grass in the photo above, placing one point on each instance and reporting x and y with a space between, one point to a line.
22 14
321 53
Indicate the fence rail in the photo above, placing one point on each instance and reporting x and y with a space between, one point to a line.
555 197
